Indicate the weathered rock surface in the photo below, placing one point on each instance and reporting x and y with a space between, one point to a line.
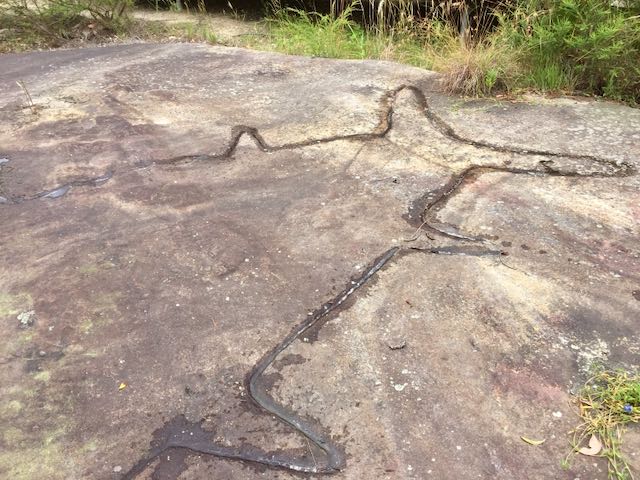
172 212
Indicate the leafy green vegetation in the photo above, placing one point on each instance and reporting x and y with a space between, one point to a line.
585 46
592 46
301 33
298 32
50 23
477 67
608 402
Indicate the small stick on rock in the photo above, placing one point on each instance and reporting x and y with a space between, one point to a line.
26 93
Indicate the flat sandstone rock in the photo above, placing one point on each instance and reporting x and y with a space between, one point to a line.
175 216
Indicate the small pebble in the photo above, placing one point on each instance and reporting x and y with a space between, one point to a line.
117 469
396 343
26 319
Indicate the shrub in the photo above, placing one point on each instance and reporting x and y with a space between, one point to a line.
51 22
590 45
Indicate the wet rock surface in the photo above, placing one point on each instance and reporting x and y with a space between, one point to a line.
225 248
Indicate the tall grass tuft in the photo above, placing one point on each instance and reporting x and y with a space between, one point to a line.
478 69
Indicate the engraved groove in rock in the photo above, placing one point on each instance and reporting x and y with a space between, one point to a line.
257 393
431 203
191 436
179 433
384 126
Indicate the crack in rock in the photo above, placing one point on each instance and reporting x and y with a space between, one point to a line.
60 191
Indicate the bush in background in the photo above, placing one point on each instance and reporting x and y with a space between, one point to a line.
571 46
52 22
592 46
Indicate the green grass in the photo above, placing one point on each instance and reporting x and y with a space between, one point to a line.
588 46
608 402
297 32
472 69
187 31
301 33
200 32
550 77
558 46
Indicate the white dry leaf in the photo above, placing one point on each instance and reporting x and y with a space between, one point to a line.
594 447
